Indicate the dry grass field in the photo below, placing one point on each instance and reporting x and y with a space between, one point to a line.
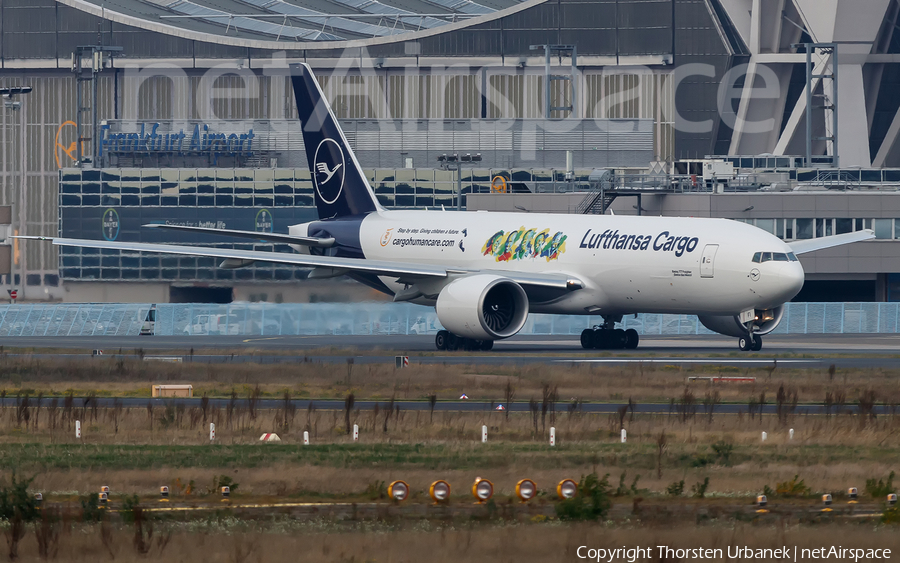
107 376
437 542
135 450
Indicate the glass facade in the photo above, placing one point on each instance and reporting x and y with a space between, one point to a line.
801 229
113 203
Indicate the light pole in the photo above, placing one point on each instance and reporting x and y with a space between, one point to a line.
16 203
455 162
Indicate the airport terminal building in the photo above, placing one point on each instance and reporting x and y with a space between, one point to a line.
778 113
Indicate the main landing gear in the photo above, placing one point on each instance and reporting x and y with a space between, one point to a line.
445 340
752 343
605 337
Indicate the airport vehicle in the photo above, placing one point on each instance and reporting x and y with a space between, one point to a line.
148 328
213 324
485 272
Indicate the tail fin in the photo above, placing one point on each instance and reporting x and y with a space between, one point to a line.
341 188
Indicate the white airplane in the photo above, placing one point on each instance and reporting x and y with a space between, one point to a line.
485 272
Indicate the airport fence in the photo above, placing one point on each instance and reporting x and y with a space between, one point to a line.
269 319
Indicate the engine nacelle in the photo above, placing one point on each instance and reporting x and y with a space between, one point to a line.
766 321
483 307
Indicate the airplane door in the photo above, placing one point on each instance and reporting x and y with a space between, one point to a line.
707 260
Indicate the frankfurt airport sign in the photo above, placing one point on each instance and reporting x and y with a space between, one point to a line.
202 140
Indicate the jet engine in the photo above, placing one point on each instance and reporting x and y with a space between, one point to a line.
482 307
765 321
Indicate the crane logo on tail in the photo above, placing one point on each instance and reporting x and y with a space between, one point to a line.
328 175
322 168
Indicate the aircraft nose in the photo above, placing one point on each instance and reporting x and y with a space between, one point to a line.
790 280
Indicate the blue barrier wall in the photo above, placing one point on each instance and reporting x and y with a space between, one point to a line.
269 319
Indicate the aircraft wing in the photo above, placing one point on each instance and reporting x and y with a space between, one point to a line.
813 244
270 237
402 271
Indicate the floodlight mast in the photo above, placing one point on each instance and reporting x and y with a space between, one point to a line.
101 56
18 195
454 162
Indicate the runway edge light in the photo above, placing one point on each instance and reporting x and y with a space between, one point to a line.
525 490
482 490
398 491
164 494
566 489
892 499
439 491
761 502
852 494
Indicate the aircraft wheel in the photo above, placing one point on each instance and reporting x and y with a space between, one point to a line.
472 345
601 340
632 338
587 338
744 344
620 339
487 345
440 340
757 344
453 342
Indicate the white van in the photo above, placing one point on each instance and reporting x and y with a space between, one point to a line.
212 324
149 326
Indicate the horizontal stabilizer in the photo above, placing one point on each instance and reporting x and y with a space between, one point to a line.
269 237
813 244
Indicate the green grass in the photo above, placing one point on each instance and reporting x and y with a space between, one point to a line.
44 457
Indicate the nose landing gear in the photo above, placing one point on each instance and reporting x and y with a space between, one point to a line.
605 337
752 343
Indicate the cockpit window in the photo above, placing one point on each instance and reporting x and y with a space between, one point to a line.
761 257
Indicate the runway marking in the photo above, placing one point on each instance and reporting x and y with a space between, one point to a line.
270 338
688 361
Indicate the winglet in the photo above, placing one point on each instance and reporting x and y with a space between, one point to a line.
813 244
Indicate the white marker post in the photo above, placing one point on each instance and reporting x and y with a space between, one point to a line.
356 432
791 434
552 435
484 434
764 436
212 432
624 434
78 429
305 438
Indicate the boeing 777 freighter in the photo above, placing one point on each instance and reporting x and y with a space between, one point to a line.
485 272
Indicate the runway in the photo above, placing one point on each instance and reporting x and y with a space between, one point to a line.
799 351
